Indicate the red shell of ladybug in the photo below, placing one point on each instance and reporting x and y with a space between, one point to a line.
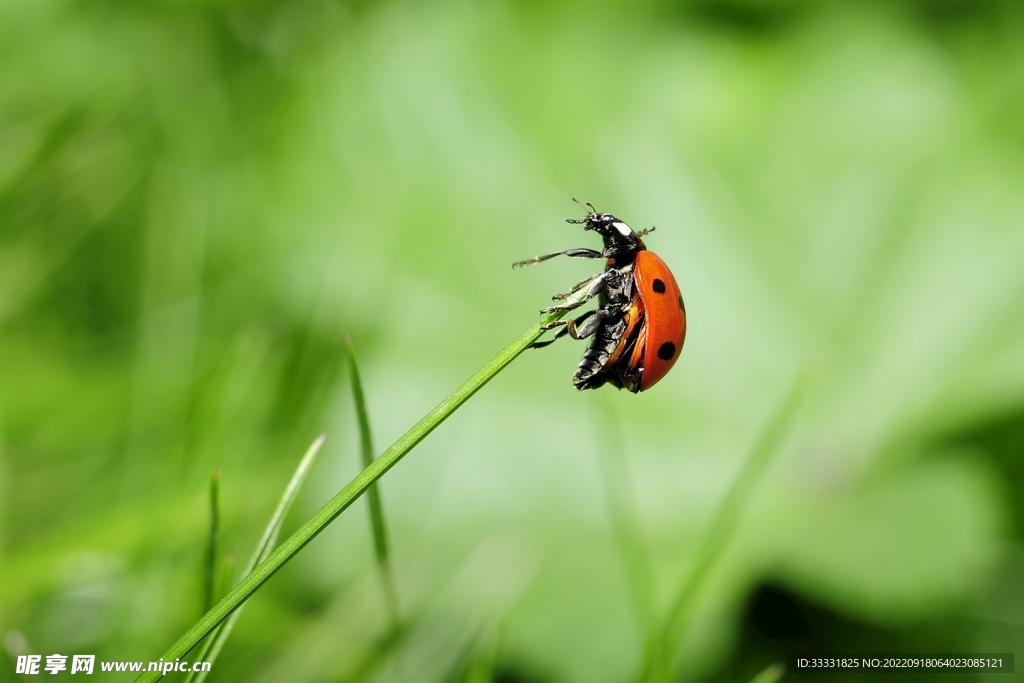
664 321
638 329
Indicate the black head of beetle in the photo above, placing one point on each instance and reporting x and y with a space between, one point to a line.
619 238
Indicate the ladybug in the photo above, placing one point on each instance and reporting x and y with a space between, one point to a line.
639 325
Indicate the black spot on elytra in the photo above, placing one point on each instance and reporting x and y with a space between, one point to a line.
682 306
658 286
666 351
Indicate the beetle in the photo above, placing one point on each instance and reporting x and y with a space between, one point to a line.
639 325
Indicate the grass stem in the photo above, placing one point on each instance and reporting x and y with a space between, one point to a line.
212 544
227 573
252 581
377 526
212 645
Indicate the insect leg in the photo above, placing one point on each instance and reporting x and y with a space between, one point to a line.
596 285
575 288
572 253
577 331
569 327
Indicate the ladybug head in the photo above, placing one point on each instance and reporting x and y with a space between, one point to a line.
618 237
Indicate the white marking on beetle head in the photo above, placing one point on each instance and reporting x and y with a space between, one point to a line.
623 229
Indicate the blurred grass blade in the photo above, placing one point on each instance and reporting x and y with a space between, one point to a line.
659 660
377 525
213 543
622 510
771 674
227 574
213 645
482 666
344 498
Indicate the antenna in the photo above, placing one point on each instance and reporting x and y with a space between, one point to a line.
588 207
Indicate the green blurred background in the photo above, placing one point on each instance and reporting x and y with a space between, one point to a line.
200 198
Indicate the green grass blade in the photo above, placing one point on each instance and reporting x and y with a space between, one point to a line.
213 543
227 573
660 657
212 646
202 653
344 498
771 674
377 525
